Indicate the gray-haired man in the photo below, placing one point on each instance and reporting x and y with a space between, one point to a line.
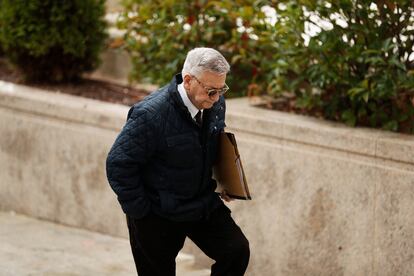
160 167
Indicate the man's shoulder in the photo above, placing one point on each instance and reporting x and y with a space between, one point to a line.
155 103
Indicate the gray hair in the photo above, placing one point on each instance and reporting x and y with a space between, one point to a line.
199 60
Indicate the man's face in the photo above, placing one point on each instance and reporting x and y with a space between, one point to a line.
197 88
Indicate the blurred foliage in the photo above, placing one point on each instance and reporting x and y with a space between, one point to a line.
354 68
52 40
160 33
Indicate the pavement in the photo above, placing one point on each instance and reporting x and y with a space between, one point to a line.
34 247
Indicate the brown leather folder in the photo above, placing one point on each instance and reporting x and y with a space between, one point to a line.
228 170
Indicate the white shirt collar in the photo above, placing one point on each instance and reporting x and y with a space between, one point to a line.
191 107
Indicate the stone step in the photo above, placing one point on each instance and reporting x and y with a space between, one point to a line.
34 247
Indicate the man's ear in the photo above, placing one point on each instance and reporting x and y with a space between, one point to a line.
186 81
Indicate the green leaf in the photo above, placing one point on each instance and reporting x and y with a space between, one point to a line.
348 117
365 96
398 64
391 125
387 45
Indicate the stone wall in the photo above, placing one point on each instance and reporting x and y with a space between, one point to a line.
52 154
327 199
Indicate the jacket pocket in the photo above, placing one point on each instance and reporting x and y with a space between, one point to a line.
180 151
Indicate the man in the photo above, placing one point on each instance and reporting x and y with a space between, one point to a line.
160 167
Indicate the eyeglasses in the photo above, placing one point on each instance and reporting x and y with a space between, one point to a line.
211 92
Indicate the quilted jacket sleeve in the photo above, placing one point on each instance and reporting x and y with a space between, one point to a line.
127 159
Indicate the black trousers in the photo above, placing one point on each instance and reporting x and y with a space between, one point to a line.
156 241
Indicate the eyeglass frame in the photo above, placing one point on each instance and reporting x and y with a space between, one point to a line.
211 92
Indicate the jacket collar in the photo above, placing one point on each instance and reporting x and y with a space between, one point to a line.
184 96
173 90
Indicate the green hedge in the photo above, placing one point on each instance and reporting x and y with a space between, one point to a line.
356 69
160 33
53 40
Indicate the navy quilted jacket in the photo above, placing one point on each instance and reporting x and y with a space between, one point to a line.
161 161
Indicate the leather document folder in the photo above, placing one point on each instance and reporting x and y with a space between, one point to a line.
228 170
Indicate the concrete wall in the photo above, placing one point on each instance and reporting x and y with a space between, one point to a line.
327 199
52 157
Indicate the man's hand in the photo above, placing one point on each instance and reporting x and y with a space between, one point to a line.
225 197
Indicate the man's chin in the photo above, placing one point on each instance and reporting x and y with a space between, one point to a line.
208 105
